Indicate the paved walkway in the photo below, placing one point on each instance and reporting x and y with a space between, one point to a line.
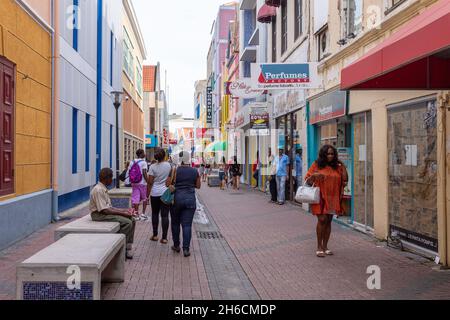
246 248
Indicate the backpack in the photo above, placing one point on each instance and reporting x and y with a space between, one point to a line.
135 172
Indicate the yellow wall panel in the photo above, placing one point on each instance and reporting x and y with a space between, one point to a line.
19 180
28 45
43 122
8 15
1 40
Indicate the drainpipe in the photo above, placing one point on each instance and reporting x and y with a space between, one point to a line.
55 109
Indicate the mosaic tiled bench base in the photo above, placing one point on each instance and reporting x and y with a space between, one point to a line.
57 291
121 203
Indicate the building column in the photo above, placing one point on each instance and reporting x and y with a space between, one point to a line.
380 169
443 160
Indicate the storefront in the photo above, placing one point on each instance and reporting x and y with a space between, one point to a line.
403 96
330 125
290 114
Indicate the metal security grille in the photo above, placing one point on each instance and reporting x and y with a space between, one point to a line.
209 235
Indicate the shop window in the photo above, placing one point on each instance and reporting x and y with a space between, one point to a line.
328 134
7 106
412 150
363 171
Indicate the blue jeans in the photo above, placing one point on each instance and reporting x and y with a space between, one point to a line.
281 188
182 216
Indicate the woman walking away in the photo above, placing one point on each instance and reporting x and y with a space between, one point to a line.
273 178
222 174
236 171
159 178
330 175
185 204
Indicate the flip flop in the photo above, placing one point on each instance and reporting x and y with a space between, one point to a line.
320 254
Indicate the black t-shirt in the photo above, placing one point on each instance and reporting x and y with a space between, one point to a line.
186 179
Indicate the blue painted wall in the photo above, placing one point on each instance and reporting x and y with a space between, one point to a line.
21 216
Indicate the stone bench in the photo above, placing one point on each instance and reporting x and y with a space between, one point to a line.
86 225
47 274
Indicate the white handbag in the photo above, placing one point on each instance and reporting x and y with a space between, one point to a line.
306 194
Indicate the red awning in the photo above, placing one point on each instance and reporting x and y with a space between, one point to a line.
266 13
273 3
417 56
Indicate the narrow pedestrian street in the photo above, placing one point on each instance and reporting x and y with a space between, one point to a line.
246 248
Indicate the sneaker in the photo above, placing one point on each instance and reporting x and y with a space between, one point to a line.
129 255
143 217
186 253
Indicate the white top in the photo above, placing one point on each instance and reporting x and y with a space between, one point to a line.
143 166
160 171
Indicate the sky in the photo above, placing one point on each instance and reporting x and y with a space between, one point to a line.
177 34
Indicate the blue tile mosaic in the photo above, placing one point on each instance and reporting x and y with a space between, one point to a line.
121 203
57 291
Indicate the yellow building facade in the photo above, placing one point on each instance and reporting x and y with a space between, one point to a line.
26 46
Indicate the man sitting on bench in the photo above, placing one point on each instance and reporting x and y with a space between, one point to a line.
102 210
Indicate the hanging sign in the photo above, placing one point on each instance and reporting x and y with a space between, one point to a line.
284 76
244 89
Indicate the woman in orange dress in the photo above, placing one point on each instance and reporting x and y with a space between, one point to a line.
330 175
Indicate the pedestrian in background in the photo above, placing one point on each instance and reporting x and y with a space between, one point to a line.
159 176
330 175
222 173
185 203
102 210
282 163
255 169
272 177
138 179
299 168
237 173
201 171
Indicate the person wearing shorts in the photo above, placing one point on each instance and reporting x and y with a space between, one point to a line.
139 190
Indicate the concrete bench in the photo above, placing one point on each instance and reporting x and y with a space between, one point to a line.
86 225
46 275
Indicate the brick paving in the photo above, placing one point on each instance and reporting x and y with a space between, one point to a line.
267 252
276 247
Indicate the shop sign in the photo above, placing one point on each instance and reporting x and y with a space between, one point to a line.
415 238
151 141
244 89
209 103
173 141
165 143
203 133
284 76
328 106
259 121
288 102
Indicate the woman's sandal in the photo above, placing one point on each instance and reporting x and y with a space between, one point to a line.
329 252
320 254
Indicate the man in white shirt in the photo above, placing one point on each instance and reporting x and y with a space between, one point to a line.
139 188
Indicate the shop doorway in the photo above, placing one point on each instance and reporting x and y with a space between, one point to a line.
363 217
412 147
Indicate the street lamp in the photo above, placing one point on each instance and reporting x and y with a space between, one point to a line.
117 96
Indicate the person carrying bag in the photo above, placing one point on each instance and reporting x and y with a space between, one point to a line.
169 195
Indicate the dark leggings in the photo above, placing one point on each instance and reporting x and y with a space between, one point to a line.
157 207
273 188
